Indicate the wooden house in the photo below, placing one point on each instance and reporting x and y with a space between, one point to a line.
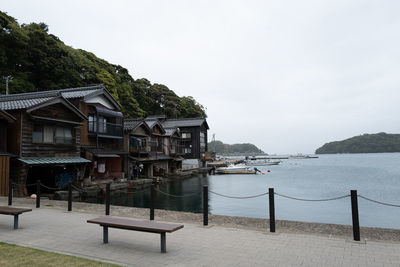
193 133
5 119
139 162
45 138
158 147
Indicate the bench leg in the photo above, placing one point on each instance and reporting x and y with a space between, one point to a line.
163 243
105 234
16 221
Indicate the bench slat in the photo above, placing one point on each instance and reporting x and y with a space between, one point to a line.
13 211
130 224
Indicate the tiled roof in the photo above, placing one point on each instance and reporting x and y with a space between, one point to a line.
170 131
41 161
23 103
131 124
26 100
184 122
151 123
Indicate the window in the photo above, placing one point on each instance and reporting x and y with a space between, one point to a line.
63 135
188 150
138 143
202 142
186 135
92 123
37 135
102 125
50 135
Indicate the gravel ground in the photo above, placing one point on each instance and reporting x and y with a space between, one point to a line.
282 226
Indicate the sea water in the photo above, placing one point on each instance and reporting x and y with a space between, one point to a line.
375 176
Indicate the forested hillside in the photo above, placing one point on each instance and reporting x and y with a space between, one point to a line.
221 148
37 61
367 143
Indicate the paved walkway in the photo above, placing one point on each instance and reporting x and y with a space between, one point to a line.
194 245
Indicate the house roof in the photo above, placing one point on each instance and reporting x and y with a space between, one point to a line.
132 124
152 123
6 116
171 131
26 100
191 122
44 161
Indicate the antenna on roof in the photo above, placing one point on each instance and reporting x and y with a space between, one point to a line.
8 79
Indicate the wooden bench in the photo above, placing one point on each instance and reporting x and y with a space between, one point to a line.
13 211
136 225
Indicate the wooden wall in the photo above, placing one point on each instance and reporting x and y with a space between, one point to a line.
4 175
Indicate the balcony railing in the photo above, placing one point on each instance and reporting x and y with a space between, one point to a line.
108 128
138 148
177 149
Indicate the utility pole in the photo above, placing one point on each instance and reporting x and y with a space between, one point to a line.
213 140
8 79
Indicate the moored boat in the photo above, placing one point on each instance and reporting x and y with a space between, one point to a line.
235 169
265 162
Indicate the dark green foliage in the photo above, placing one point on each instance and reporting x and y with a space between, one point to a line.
221 148
40 61
366 143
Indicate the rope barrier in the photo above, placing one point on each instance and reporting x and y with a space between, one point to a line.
181 196
316 200
51 188
379 202
135 192
22 185
263 194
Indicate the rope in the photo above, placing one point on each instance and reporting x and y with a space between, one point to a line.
302 199
263 194
126 192
378 202
22 185
51 188
170 195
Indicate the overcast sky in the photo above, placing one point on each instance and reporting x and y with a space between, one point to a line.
287 76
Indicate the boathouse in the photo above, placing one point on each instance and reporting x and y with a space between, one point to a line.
45 138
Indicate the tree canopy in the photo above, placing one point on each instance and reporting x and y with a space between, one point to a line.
366 143
39 61
221 148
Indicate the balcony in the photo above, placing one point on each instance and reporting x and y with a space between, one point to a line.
106 129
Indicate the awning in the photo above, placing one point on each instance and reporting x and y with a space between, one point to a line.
142 159
44 161
106 155
109 112
178 159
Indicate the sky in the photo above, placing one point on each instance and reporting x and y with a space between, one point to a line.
287 76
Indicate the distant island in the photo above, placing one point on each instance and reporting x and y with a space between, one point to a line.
221 148
366 143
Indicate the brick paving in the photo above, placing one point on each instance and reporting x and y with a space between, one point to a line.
67 232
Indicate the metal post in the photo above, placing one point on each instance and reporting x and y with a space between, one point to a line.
205 205
163 243
271 210
38 194
105 234
10 192
69 196
108 189
354 211
152 200
16 221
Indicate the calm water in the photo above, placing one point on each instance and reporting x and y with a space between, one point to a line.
376 176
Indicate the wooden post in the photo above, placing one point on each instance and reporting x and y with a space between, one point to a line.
108 193
152 200
354 212
69 196
205 205
38 194
271 210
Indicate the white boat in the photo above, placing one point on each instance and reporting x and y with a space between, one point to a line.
235 169
259 162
